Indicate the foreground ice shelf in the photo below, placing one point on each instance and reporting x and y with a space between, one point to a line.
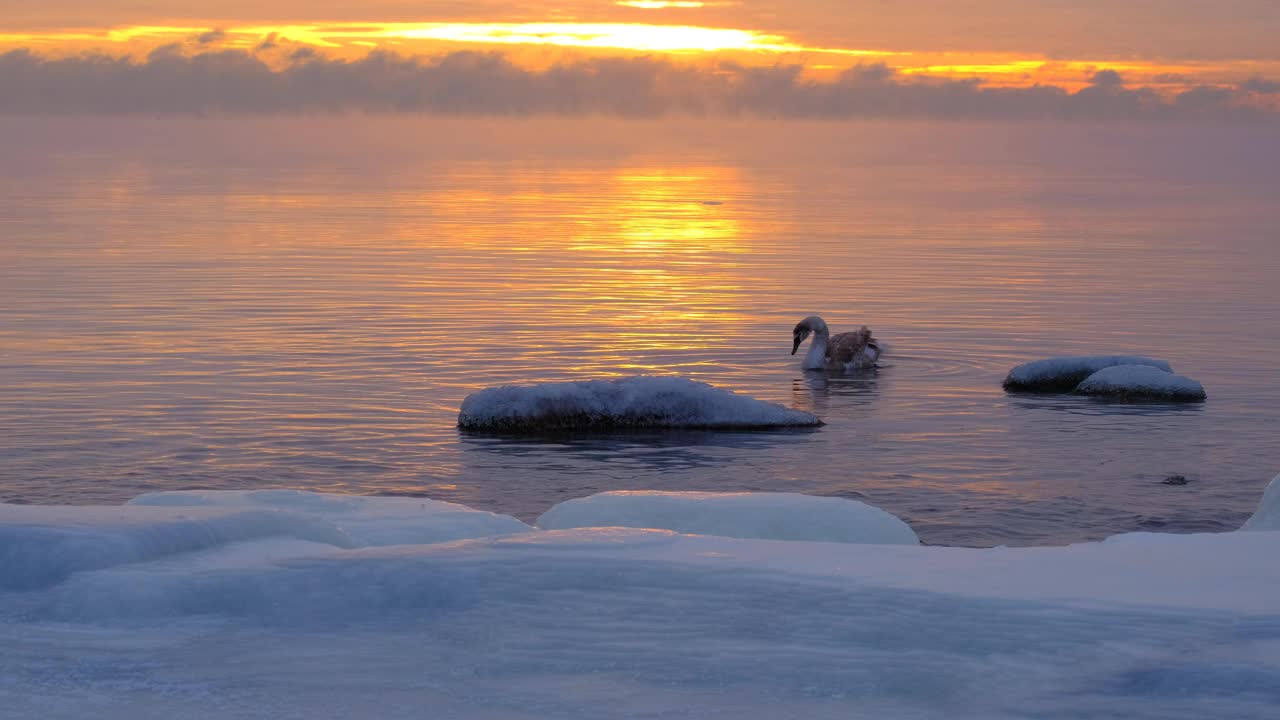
299 605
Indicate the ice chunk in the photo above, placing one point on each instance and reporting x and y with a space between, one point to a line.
771 516
41 546
1267 516
1137 382
665 402
367 521
1063 374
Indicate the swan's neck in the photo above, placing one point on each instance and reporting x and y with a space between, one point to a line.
816 358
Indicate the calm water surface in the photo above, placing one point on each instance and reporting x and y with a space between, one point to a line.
304 303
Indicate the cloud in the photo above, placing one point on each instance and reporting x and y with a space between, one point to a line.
211 37
1260 86
175 80
270 42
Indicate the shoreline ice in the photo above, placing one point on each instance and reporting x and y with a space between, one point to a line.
331 616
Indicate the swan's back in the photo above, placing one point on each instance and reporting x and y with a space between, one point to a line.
853 350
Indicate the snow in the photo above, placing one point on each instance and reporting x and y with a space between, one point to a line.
770 516
263 605
1267 516
1134 382
666 402
1063 374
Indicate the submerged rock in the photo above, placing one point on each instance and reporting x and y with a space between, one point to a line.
1140 382
636 402
1063 374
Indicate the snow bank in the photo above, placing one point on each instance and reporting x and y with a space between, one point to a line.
1267 516
44 545
1063 374
773 516
366 521
662 402
1137 382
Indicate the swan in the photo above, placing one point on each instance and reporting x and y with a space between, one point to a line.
846 351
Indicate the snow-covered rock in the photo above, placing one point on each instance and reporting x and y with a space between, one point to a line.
1141 382
771 516
636 402
1267 516
1063 374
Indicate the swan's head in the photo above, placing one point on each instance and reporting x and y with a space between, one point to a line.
804 328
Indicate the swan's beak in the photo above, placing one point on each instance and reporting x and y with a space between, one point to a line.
796 346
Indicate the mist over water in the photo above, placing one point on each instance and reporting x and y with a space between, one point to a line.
222 304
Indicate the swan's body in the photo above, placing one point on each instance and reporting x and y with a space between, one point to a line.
847 351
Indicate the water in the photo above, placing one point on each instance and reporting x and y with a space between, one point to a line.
202 303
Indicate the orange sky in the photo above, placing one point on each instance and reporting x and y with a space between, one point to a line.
1168 44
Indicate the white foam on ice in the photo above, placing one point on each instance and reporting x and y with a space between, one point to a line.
366 521
1062 374
774 516
635 402
1141 382
1267 516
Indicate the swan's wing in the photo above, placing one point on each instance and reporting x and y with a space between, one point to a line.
849 347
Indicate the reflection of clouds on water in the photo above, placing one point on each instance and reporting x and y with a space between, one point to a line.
648 450
820 391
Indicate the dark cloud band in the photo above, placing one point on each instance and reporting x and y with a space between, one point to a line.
173 80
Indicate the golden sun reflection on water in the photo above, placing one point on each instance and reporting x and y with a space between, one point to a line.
638 261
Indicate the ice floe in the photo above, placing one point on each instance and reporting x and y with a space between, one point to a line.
1063 374
771 516
635 402
1141 382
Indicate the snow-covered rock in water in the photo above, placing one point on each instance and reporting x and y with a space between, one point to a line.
1267 516
1063 374
1141 382
636 402
367 521
767 516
